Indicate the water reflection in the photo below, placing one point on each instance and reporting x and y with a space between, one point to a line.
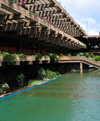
81 72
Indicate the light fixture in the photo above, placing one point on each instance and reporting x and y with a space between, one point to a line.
1 25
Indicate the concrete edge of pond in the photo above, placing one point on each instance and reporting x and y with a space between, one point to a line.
10 94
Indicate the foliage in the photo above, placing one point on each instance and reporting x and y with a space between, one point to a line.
4 88
69 55
22 56
51 74
46 55
32 82
38 56
41 73
12 1
8 58
54 57
31 11
87 55
20 80
15 54
84 45
81 54
1 91
92 58
44 74
72 70
99 58
77 54
0 53
91 55
49 54
62 55
96 58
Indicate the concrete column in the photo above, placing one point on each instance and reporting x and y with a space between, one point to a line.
81 66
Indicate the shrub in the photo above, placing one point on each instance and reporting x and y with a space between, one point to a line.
38 56
41 73
62 55
84 45
46 55
0 53
51 74
81 54
4 88
49 54
22 56
15 54
96 58
54 57
8 58
77 54
69 55
58 74
99 58
91 55
20 80
87 55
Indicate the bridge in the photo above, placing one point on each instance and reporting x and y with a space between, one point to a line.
80 60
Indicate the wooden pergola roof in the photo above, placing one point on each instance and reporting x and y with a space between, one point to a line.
53 11
45 20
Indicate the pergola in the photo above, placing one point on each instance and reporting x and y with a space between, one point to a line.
45 21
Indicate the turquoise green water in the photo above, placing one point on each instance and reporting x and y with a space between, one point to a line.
75 97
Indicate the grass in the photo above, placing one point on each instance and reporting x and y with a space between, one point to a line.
32 82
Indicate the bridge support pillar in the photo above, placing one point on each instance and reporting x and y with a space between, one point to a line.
81 65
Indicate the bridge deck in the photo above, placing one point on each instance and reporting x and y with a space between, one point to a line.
80 59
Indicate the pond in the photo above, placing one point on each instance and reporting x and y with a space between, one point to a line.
74 97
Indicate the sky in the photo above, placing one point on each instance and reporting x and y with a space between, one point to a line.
85 12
